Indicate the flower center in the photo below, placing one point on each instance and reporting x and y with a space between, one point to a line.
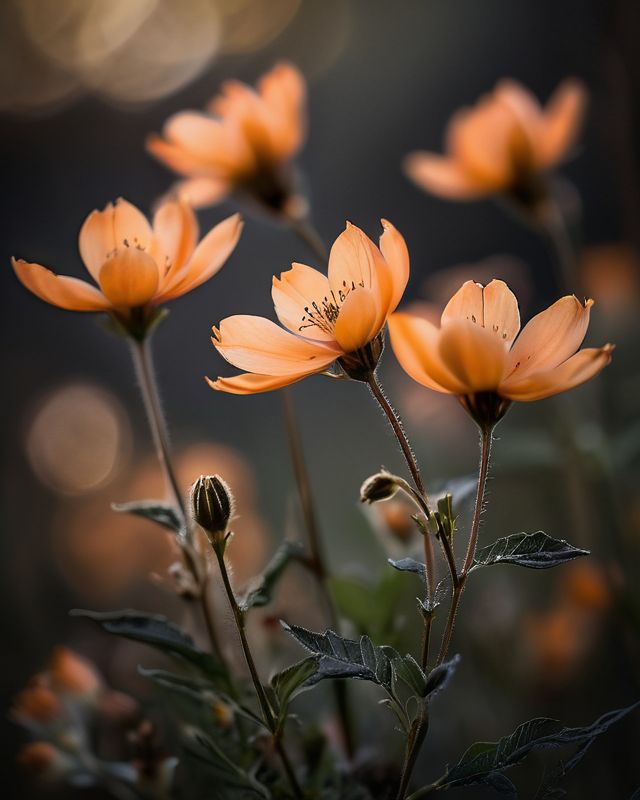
324 314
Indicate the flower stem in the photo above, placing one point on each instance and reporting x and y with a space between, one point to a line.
143 363
396 425
265 707
306 231
317 561
563 251
486 437
414 744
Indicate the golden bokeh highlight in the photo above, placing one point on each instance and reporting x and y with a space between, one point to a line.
78 439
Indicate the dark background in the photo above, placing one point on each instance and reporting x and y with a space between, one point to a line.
383 80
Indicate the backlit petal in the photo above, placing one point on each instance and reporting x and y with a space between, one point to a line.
501 314
250 383
562 120
176 156
283 91
473 354
295 291
443 176
258 345
466 303
576 370
129 278
415 343
394 249
208 257
202 191
357 322
62 291
175 229
550 337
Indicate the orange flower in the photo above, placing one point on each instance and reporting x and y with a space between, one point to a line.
42 758
136 265
503 145
475 355
243 144
331 319
37 702
73 674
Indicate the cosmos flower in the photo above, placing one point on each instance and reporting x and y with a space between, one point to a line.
503 145
243 143
137 266
475 354
334 319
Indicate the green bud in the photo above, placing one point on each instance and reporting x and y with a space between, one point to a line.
380 486
212 506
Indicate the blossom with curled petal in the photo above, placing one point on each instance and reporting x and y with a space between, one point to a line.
138 266
242 143
479 353
329 319
503 145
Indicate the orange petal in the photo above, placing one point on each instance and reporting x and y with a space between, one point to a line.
129 278
250 383
202 191
415 342
527 111
208 257
474 355
105 231
501 314
443 176
175 229
394 249
481 140
574 371
213 143
294 295
466 303
357 322
283 91
562 120
59 290
550 337
355 261
175 156
258 345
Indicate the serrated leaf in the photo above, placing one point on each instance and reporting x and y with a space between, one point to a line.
261 592
484 760
155 510
532 550
359 659
156 631
291 681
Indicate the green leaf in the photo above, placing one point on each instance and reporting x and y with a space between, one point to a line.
290 681
359 659
410 565
156 631
484 762
532 550
154 510
226 770
439 676
261 592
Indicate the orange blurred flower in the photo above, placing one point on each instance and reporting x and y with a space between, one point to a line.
611 272
243 143
73 674
37 702
43 759
328 319
475 355
503 145
137 266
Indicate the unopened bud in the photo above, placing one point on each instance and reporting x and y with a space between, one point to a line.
378 487
212 505
72 674
44 760
36 703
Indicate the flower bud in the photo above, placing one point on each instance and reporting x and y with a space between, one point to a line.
212 506
380 486
36 703
72 674
44 760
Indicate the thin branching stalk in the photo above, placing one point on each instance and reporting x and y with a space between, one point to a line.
563 251
143 362
486 437
306 231
265 707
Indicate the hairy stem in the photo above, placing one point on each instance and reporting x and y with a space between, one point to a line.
265 707
486 436
414 744
143 362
